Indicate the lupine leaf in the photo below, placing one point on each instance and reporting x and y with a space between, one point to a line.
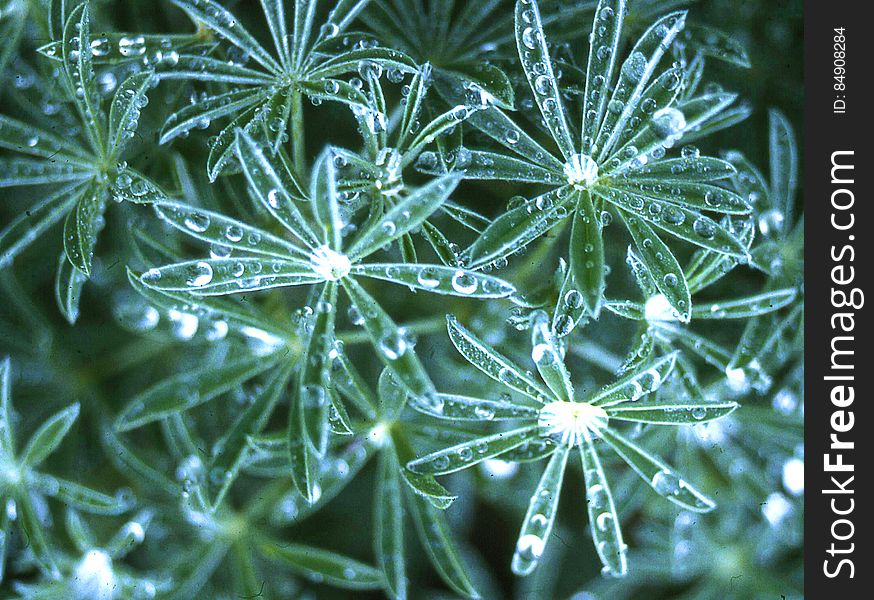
187 390
603 516
389 525
439 279
657 474
49 436
538 521
321 565
493 364
468 454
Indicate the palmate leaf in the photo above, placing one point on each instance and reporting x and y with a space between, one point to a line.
116 48
464 408
538 522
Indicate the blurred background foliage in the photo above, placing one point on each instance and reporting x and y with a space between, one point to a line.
749 548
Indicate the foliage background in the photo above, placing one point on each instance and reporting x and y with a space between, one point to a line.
101 364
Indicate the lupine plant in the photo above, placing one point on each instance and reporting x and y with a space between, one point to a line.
357 268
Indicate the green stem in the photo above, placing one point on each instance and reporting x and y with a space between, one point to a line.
297 133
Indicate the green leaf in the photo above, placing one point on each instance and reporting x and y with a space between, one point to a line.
489 361
187 390
82 226
197 67
322 566
274 12
333 90
404 216
439 279
519 226
687 170
603 516
230 450
468 454
481 164
548 356
218 229
487 81
389 525
323 194
312 390
742 308
645 379
657 474
501 128
69 282
681 222
35 532
633 77
717 44
7 425
603 50
220 276
689 194
349 61
79 70
666 412
783 151
49 436
464 408
437 127
27 227
662 266
587 256
436 538
80 497
200 115
391 344
429 489
159 51
124 114
217 18
271 190
25 138
538 522
534 56
20 171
